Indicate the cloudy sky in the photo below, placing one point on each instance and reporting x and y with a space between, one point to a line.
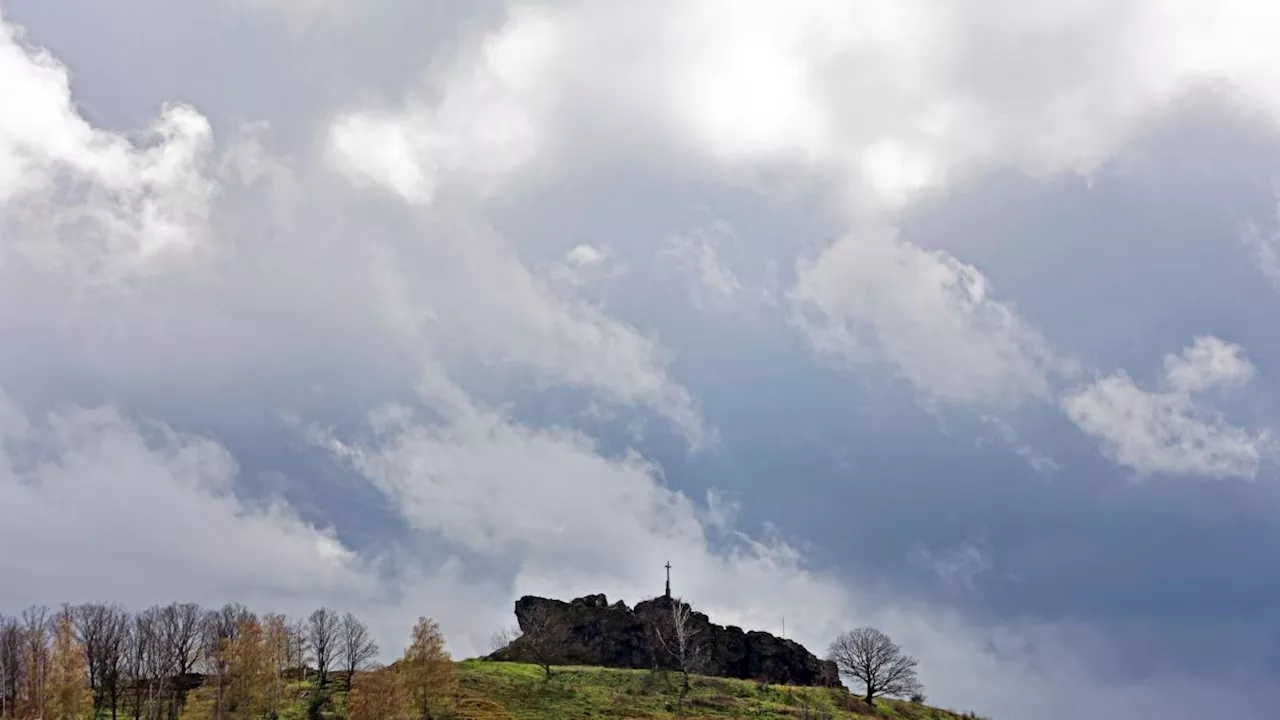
952 318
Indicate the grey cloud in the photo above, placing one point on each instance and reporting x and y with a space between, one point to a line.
576 125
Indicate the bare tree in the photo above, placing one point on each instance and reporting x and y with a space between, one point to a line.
180 627
100 630
10 663
322 637
36 629
296 646
503 638
545 637
679 638
151 661
140 644
870 657
89 621
356 646
111 655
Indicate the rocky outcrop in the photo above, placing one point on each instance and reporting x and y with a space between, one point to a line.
597 633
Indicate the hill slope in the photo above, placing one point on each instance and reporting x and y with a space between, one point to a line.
513 691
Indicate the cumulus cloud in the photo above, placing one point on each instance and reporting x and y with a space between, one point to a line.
872 103
93 203
873 296
1207 363
1172 431
93 502
84 206
899 96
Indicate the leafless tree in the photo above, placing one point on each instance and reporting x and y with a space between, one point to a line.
870 657
116 645
545 637
296 646
100 628
151 661
503 638
180 628
141 642
89 621
679 639
10 663
36 626
322 637
356 646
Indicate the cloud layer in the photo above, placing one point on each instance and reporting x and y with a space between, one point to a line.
480 294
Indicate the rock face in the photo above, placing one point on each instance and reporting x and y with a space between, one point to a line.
617 636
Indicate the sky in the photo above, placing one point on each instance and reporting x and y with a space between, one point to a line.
953 318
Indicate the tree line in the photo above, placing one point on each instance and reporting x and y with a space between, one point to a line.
185 662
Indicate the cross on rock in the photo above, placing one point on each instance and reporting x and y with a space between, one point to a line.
668 566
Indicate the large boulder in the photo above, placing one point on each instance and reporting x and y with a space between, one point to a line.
597 633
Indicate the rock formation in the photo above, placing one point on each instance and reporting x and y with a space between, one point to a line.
617 636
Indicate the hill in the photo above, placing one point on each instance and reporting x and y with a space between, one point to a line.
513 691
489 690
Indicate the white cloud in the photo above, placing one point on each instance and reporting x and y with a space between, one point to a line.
871 296
585 256
1172 431
95 204
1207 363
873 103
583 265
578 521
91 502
87 209
898 96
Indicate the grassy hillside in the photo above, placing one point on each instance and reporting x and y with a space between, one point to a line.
514 691
511 691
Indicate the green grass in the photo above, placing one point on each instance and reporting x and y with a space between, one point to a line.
513 691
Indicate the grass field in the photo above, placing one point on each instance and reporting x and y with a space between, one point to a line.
511 691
